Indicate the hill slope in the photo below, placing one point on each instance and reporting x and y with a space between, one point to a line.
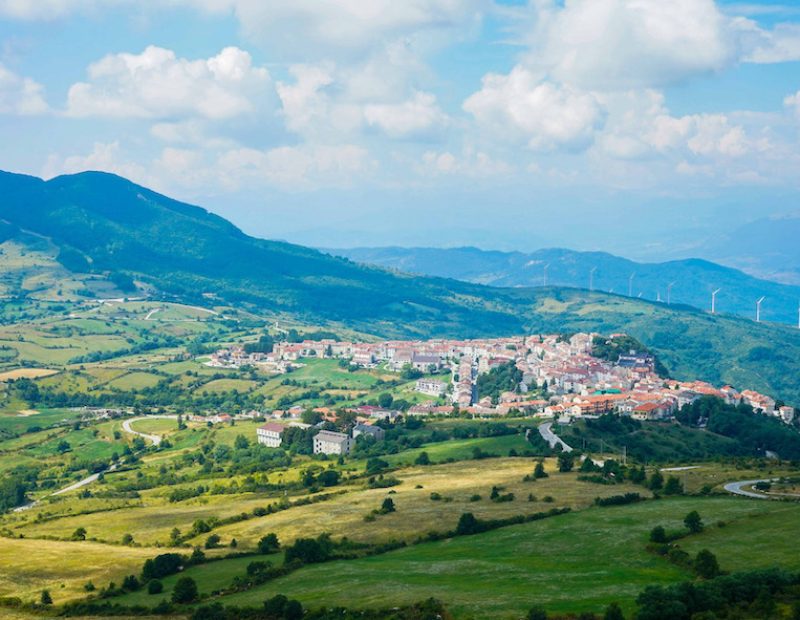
694 278
110 227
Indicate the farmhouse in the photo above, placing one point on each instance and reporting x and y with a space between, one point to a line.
329 442
270 434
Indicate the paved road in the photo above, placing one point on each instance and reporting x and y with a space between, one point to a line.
154 439
551 438
736 488
67 489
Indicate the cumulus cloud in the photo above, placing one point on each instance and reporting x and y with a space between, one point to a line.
544 114
630 43
417 116
324 27
20 95
105 157
792 102
158 84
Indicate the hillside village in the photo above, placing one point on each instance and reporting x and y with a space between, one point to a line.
559 377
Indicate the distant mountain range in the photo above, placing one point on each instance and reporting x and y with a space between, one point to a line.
94 228
768 248
692 280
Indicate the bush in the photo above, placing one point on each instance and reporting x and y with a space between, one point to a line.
658 535
185 591
269 544
155 587
161 566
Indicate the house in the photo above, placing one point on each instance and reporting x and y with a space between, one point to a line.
425 362
329 442
270 434
376 432
652 411
431 387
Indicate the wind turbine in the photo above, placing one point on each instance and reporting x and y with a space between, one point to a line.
714 301
669 291
591 278
630 284
758 309
545 273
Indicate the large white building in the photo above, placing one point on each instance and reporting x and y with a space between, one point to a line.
270 434
432 387
329 442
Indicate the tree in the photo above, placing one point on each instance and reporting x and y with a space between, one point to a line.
127 539
63 446
79 534
385 400
155 587
212 542
467 524
45 598
185 591
658 535
613 612
387 506
693 522
269 544
656 482
706 565
539 472
241 443
422 459
565 462
536 613
673 486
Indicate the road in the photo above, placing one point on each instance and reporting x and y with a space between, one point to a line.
551 438
154 439
736 488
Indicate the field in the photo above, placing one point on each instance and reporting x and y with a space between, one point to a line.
64 567
575 562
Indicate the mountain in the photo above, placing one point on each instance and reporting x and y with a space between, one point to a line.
694 278
100 227
767 247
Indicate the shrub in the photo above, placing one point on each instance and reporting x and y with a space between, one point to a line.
185 591
155 587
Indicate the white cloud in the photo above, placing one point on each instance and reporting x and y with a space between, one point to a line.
416 116
319 28
470 162
781 44
545 115
48 9
629 43
792 102
105 157
157 84
20 95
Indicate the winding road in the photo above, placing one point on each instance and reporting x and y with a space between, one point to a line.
545 430
736 488
126 426
154 439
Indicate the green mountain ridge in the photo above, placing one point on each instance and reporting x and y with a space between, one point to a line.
116 228
693 278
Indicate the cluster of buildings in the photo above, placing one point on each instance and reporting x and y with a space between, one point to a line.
560 377
325 442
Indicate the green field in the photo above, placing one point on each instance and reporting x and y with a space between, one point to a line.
576 562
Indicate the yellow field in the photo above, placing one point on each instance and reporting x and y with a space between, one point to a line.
26 373
28 566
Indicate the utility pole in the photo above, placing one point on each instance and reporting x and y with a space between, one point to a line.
591 278
714 301
758 309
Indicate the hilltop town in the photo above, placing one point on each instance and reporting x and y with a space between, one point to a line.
559 377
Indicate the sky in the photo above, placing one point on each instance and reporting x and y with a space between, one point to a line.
640 127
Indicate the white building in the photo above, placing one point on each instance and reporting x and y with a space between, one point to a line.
270 434
376 432
431 387
329 442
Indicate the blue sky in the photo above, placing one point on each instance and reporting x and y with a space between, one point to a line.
641 127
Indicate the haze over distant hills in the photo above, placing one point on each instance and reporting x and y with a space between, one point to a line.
693 279
94 227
